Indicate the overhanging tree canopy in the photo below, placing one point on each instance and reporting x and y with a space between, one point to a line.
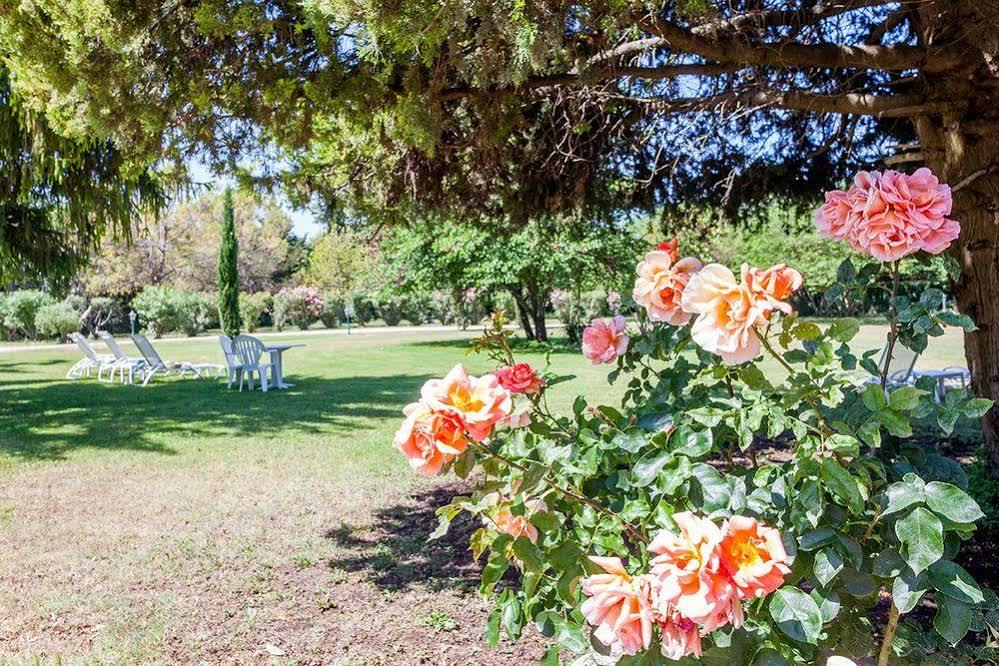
484 107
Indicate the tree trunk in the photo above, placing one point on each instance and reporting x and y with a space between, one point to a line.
524 310
961 146
536 299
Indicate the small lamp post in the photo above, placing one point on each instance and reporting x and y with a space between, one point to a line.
131 319
347 311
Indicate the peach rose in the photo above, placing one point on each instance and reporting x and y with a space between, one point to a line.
507 522
660 284
519 378
753 555
890 215
691 581
680 637
480 402
619 606
729 311
520 419
429 439
604 341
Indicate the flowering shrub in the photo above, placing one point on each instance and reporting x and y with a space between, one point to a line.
252 308
724 510
301 305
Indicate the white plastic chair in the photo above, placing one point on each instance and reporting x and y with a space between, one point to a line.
249 349
91 360
900 368
234 365
157 366
121 361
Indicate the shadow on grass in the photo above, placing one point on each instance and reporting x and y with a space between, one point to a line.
517 344
45 419
395 553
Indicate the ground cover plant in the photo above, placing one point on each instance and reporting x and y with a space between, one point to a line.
634 539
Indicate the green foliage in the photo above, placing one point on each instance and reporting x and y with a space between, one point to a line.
252 308
228 271
58 319
163 309
20 308
59 194
863 510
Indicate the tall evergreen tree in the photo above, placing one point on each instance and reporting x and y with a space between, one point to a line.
228 280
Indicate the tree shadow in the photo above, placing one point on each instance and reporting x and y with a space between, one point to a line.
394 552
45 419
554 345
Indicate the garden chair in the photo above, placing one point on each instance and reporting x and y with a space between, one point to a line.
155 365
234 365
121 361
91 360
900 368
250 350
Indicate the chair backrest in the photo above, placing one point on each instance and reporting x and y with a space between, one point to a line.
249 349
112 344
903 360
147 351
231 357
84 346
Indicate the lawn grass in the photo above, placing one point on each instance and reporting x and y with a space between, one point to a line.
185 522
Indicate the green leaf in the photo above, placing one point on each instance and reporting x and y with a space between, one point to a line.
976 407
842 484
953 619
714 490
817 538
952 579
796 614
689 442
493 628
828 562
907 589
902 495
921 534
896 422
843 444
569 635
492 572
844 330
648 468
631 441
904 398
952 503
529 554
769 657
959 320
828 603
512 618
874 397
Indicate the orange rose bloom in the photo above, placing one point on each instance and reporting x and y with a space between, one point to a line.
754 556
430 439
479 402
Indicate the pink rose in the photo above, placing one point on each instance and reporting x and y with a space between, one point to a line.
691 580
754 557
729 311
520 419
660 286
619 606
604 341
479 402
519 378
429 439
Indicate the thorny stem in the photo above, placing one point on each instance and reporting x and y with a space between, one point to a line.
571 494
885 653
893 332
808 398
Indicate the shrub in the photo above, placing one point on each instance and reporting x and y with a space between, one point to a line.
58 319
299 305
363 308
104 314
196 312
20 309
156 307
332 313
391 310
652 528
252 308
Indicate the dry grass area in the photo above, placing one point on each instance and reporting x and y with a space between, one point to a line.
186 523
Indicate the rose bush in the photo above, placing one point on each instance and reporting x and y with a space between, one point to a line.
721 511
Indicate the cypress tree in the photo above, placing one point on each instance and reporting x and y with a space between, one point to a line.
228 275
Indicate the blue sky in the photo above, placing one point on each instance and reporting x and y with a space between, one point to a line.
303 222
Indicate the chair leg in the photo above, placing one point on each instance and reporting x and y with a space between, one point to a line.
263 380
